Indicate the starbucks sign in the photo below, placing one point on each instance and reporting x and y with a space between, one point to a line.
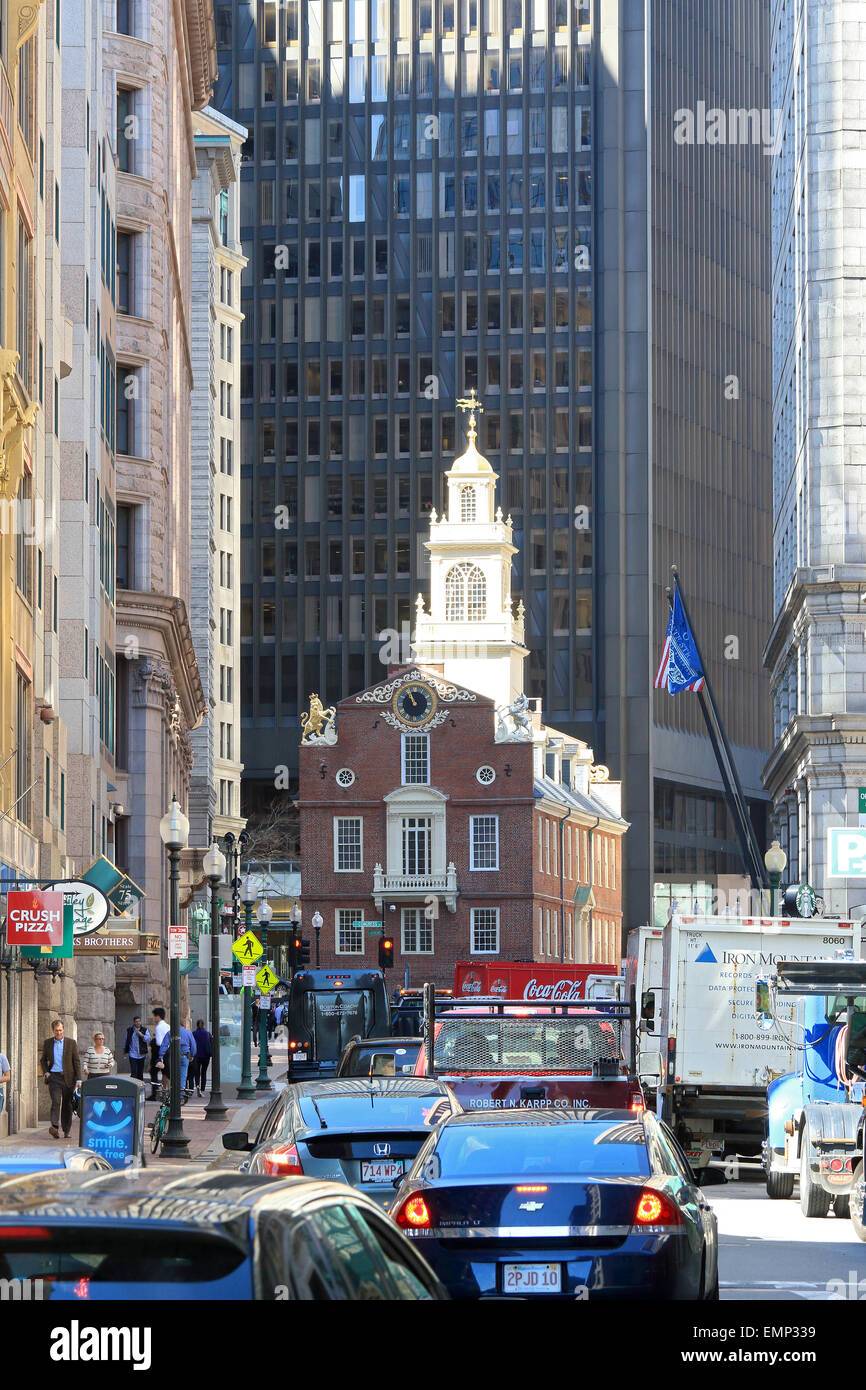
89 906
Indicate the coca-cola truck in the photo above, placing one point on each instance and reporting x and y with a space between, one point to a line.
543 984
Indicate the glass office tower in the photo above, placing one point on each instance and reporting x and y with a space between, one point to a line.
416 201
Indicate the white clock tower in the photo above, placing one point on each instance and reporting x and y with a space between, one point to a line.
472 630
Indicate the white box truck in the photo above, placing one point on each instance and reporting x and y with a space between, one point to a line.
700 1047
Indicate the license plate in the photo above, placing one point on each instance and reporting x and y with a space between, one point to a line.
546 1278
300 1056
382 1170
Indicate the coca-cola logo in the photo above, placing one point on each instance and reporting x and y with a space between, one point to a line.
559 992
499 986
472 984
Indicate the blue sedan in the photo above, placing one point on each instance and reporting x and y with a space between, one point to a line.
562 1204
42 1158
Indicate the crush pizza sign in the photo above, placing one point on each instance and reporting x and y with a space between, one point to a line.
34 918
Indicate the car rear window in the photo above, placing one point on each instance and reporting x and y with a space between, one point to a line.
544 1150
386 1060
369 1112
526 1043
61 1256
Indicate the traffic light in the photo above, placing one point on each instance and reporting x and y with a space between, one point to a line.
303 950
294 951
386 952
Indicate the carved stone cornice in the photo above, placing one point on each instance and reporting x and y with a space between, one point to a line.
23 19
164 615
17 414
154 688
201 40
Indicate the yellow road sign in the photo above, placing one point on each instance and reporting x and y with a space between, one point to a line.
247 948
266 979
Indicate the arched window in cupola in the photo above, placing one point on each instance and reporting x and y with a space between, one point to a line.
467 504
465 594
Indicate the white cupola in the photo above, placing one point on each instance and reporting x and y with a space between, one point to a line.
471 629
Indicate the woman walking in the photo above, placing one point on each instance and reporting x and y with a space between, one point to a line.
98 1060
203 1050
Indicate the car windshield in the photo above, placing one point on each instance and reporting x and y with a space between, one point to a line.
540 1150
525 1043
59 1255
370 1112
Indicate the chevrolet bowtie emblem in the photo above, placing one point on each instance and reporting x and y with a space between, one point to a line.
531 1206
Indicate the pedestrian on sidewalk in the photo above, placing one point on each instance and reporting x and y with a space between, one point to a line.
187 1057
5 1075
98 1060
136 1047
60 1065
159 1047
203 1053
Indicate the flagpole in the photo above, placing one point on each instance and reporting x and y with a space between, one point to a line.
730 796
751 853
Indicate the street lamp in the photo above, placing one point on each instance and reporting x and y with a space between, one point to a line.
318 922
246 1090
264 913
174 833
214 864
776 861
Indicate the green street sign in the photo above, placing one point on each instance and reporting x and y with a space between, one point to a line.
370 926
861 800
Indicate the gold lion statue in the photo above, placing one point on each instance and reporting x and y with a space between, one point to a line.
318 722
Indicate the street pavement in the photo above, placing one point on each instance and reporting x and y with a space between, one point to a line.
770 1252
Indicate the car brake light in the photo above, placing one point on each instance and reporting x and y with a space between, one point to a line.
637 1102
413 1212
836 1165
292 1044
24 1233
656 1209
282 1160
532 1187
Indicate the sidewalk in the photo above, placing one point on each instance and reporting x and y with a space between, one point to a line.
204 1135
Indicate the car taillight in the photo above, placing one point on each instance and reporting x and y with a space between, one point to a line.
413 1213
24 1233
637 1102
282 1160
532 1187
292 1045
836 1165
656 1209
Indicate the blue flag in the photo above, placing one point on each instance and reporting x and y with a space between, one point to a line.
680 667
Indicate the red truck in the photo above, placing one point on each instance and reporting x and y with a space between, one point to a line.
506 1053
514 979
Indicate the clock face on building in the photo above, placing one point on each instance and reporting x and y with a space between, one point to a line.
414 704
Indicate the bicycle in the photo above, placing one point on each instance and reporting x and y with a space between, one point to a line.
160 1119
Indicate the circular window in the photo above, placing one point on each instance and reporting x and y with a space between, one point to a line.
485 775
345 777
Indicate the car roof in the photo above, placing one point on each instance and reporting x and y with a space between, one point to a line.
375 1087
549 1115
43 1155
216 1201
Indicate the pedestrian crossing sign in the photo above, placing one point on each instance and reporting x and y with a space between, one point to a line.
247 948
266 979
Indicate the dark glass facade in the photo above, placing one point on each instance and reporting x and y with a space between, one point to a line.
417 205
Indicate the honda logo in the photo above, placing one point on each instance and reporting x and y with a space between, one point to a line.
381 1150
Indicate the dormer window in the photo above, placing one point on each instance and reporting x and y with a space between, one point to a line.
465 594
467 504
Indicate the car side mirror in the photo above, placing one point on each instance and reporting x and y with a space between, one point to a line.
238 1141
649 1066
648 1006
763 1005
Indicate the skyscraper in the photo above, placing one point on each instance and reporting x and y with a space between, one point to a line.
441 196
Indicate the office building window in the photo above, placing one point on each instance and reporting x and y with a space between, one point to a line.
348 844
484 931
484 842
415 759
416 932
349 931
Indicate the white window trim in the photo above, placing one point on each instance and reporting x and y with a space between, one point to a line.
337 869
472 950
405 950
483 868
337 948
403 738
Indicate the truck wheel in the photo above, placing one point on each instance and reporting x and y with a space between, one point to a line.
814 1201
780 1185
857 1206
842 1206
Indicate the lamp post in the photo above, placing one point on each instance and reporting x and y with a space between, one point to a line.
214 867
318 922
264 913
776 861
246 1090
174 833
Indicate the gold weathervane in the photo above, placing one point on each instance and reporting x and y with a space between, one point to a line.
473 405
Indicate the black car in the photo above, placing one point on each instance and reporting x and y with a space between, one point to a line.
143 1235
379 1057
362 1132
560 1203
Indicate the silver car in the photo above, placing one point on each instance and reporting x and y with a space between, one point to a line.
364 1132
